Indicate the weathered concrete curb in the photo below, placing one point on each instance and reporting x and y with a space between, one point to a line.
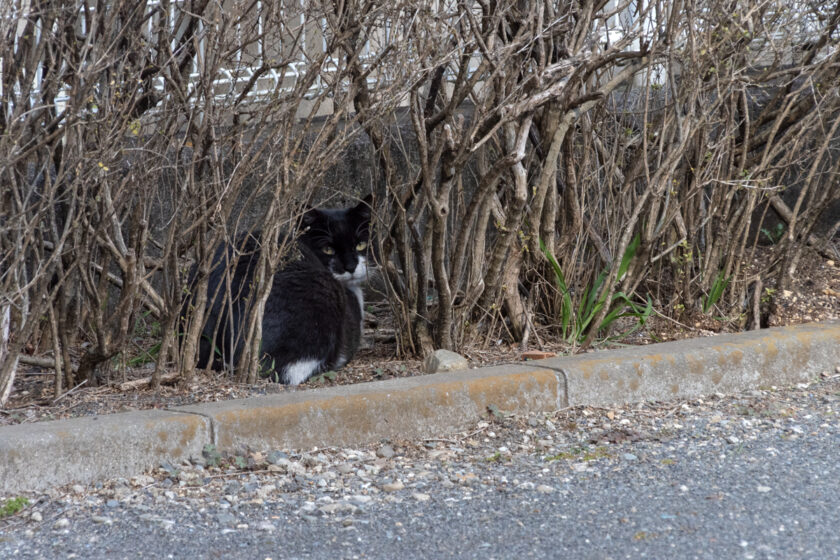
45 454
38 456
421 406
700 366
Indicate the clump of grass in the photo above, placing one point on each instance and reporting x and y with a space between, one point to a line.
718 286
575 322
13 506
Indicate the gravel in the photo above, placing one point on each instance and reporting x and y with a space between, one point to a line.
753 475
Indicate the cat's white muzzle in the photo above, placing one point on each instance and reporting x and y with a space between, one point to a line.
357 276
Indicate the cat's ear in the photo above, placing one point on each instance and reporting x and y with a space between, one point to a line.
363 208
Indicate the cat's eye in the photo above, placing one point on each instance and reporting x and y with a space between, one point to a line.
327 250
361 246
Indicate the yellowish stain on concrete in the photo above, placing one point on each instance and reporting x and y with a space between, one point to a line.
638 367
694 364
655 358
350 418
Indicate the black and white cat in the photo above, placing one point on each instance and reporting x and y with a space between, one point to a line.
313 315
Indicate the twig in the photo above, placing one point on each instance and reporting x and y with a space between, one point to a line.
143 381
70 391
478 431
684 325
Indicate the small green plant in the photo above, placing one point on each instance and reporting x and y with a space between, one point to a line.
323 377
147 356
495 413
576 322
267 368
767 295
142 328
13 506
775 234
211 455
718 287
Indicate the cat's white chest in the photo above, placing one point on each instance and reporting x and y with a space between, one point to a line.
357 291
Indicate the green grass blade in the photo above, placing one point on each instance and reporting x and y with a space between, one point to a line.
628 256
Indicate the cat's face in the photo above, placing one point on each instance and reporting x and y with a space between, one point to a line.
339 238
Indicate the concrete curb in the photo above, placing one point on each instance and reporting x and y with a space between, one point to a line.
44 454
422 406
37 456
700 366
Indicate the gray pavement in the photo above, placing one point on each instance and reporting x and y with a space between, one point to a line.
750 475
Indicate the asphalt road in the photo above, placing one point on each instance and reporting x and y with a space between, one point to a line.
750 476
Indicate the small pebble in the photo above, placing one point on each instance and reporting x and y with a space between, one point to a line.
393 486
142 480
62 523
275 457
386 451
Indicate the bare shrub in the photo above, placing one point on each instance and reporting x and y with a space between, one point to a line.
635 143
134 135
590 124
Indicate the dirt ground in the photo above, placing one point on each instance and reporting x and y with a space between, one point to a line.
815 296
